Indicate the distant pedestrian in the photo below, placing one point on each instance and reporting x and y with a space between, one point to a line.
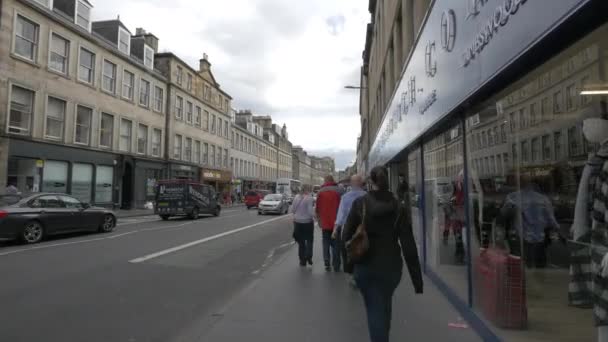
356 191
389 232
328 201
303 225
11 189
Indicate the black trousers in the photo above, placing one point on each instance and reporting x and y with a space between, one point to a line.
303 233
535 254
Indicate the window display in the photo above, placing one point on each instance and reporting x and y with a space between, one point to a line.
55 177
82 182
103 184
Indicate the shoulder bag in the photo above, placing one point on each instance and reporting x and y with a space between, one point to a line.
357 247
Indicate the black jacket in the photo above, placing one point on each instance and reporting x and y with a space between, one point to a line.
388 226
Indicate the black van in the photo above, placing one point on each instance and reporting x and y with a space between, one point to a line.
185 198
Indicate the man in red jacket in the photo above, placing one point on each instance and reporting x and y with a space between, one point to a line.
328 202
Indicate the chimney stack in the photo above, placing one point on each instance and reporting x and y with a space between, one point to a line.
204 65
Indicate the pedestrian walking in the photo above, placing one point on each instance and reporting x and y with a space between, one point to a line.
356 191
328 201
303 225
379 218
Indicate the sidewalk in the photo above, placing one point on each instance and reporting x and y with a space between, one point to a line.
289 303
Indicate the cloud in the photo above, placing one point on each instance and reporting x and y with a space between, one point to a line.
288 59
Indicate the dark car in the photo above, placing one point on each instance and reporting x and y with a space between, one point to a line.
274 204
185 198
30 218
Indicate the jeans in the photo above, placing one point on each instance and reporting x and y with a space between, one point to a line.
303 234
377 291
330 251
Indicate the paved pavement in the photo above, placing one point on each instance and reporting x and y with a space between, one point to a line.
289 303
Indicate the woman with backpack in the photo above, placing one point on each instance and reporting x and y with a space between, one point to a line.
379 231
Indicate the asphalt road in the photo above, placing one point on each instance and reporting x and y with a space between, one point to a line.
149 280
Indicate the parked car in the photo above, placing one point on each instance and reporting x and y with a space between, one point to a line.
274 204
253 199
185 198
31 218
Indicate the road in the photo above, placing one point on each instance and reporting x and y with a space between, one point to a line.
149 280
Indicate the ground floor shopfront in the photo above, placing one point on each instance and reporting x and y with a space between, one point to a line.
99 178
508 212
221 180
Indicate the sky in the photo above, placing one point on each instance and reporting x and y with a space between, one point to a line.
287 58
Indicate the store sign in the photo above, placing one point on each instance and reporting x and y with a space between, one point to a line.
478 39
208 174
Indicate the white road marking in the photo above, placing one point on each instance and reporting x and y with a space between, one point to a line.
198 242
123 234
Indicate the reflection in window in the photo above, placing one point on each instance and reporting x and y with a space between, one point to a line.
104 177
55 177
82 182
557 140
557 102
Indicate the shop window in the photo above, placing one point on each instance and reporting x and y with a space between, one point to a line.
55 177
82 182
84 116
104 178
55 117
522 216
24 174
444 209
22 107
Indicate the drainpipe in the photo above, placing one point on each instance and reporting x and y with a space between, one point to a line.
167 126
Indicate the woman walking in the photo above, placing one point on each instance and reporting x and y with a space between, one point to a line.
303 225
378 272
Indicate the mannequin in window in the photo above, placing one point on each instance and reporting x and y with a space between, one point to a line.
589 284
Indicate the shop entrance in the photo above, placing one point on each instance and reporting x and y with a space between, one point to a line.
127 187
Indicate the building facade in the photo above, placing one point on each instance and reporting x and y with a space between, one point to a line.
301 166
247 144
85 109
494 161
199 124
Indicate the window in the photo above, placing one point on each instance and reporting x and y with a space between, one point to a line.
490 138
226 105
106 131
156 141
188 150
212 123
212 156
533 119
126 132
144 93
55 177
512 122
206 121
571 97
55 116
557 101
189 84
484 138
503 133
584 82
544 107
207 93
197 118
220 126
83 15
82 183
109 77
196 156
225 158
22 106
148 57
189 109
128 84
180 75
83 125
226 128
576 141
179 107
177 147
546 147
525 152
86 66
103 184
536 150
219 156
523 119
124 41
158 99
26 38
142 139
45 3
557 141
205 153
59 54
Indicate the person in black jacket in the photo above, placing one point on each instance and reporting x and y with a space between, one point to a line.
388 225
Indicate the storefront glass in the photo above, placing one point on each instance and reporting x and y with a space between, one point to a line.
24 174
444 208
414 185
538 199
82 182
103 184
55 177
